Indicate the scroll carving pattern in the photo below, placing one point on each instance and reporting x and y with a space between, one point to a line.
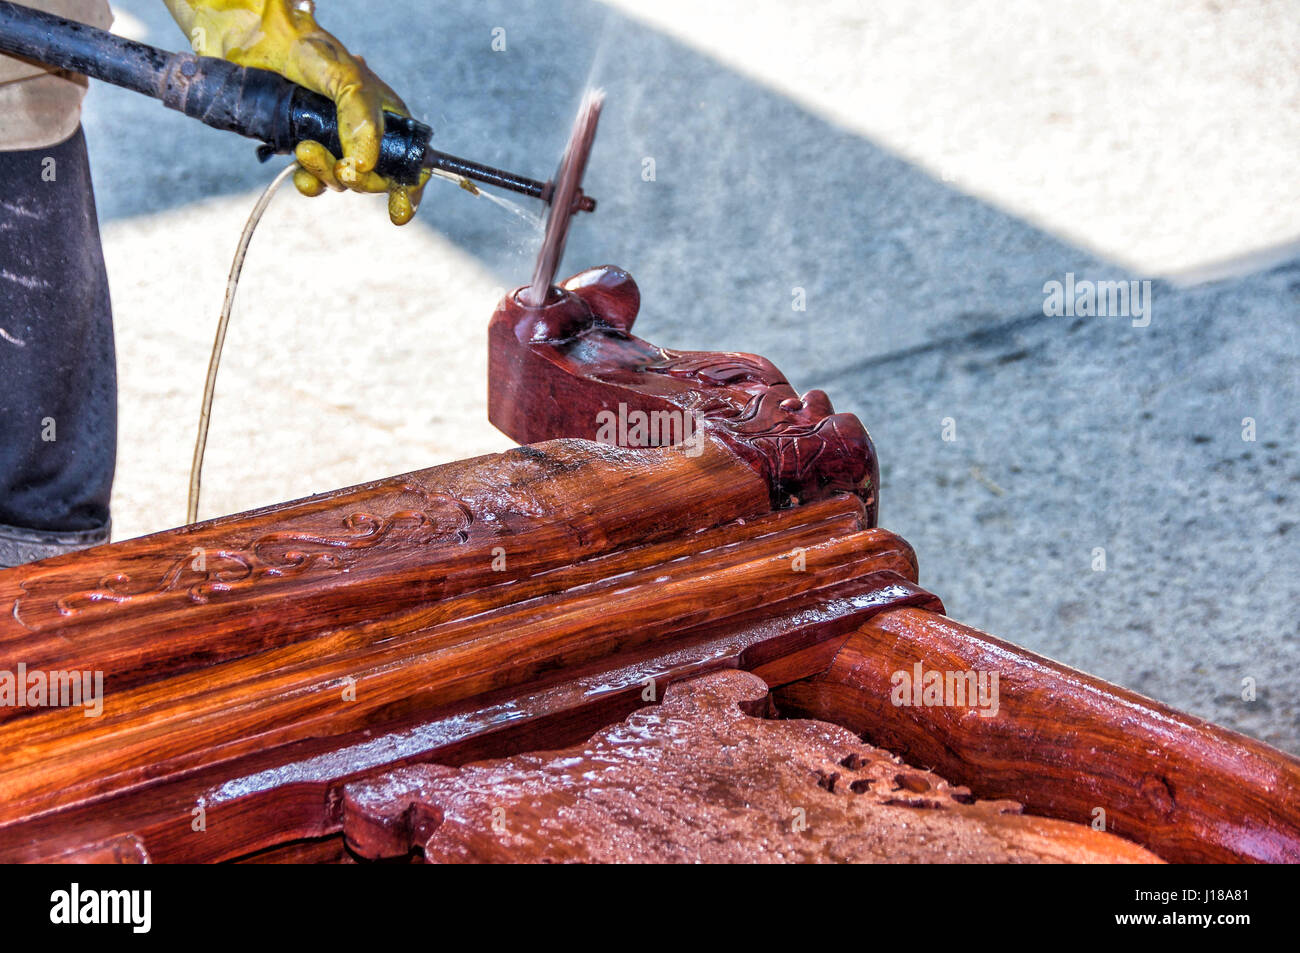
396 514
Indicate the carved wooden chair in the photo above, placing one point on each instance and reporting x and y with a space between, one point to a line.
606 644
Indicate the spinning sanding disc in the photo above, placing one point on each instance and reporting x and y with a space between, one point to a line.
564 196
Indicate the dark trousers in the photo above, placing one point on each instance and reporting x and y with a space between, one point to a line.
58 377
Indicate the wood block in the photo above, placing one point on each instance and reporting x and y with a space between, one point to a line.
230 587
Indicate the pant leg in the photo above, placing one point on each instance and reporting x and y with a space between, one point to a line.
58 375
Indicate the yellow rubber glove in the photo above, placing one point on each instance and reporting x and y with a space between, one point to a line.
284 37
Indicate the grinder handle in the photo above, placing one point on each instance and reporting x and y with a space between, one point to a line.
252 102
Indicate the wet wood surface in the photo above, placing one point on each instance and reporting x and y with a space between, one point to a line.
573 368
1063 743
252 729
293 792
244 749
707 776
229 587
355 676
258 667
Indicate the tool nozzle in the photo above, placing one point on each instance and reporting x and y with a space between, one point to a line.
487 175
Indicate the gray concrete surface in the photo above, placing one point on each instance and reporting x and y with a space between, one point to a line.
357 349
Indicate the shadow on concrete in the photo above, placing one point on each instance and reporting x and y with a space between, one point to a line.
753 195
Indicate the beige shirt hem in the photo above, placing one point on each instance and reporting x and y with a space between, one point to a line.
41 107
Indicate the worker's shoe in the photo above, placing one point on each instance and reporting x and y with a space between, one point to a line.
19 546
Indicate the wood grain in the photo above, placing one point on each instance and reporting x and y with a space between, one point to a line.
1063 743
572 366
203 594
224 688
291 792
706 777
361 675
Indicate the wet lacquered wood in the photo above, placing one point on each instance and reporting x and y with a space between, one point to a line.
293 792
706 777
1064 744
258 664
309 698
230 587
573 368
358 675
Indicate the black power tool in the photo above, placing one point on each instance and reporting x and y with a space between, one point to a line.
252 102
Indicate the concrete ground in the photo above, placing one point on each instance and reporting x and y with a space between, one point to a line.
919 170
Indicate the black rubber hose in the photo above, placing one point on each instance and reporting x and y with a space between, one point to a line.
66 44
251 102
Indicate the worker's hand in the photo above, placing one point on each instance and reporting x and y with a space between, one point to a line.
283 36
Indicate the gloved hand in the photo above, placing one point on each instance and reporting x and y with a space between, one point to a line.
283 37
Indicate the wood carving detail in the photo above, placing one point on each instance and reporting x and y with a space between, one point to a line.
810 450
400 513
1064 743
703 777
626 564
557 368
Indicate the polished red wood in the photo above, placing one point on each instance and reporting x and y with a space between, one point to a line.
572 368
710 777
520 661
229 587
259 667
1063 743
